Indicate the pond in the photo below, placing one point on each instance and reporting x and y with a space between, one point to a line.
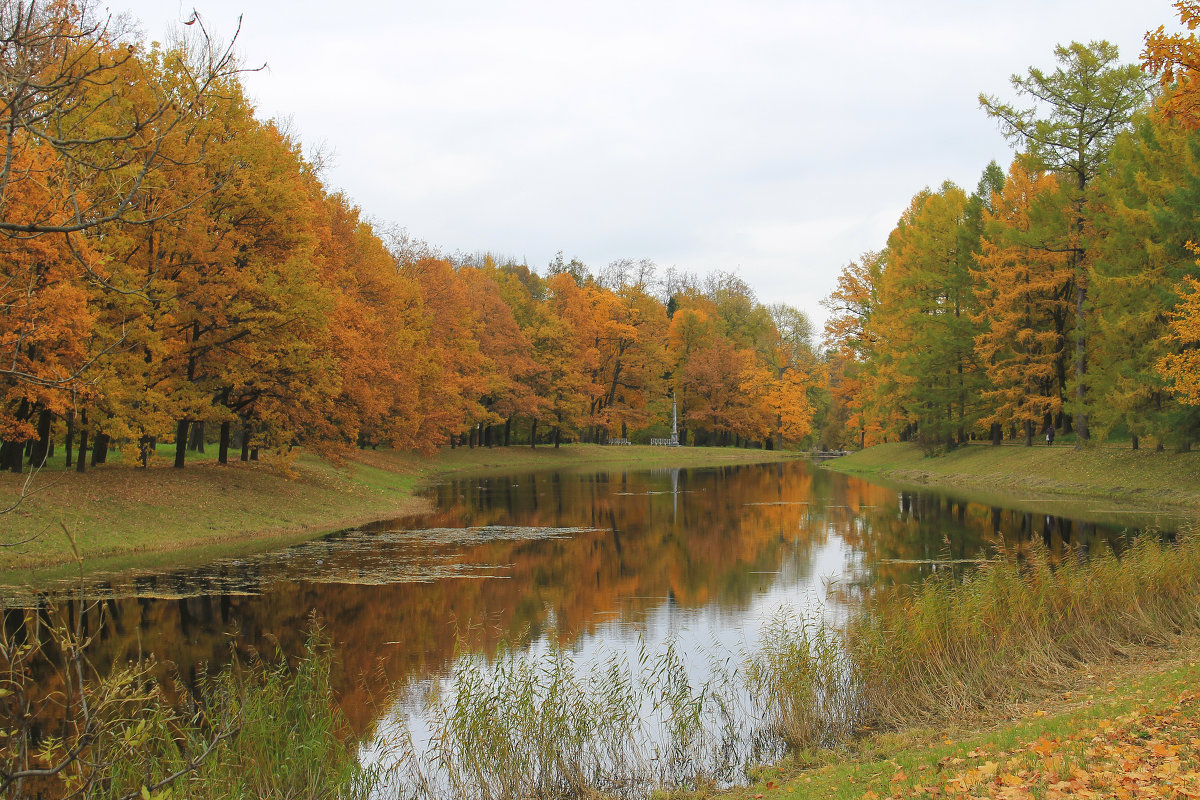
597 562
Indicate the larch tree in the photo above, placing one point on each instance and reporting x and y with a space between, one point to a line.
1077 112
970 234
1182 368
927 303
1024 292
850 347
1175 59
1148 207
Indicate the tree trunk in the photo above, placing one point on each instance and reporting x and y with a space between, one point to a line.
557 436
254 454
181 437
997 434
507 431
100 449
1029 433
12 453
146 446
223 447
7 448
196 437
1135 442
81 461
533 434
70 442
41 447
1081 421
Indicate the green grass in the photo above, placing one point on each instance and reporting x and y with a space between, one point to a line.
1142 478
121 517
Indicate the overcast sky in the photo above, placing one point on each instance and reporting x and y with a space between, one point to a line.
775 139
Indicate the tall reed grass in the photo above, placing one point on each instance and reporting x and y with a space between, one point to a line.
290 742
1017 627
258 730
547 727
802 683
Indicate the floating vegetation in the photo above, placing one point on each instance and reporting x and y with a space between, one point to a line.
357 557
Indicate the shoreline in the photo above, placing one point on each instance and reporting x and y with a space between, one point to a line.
1022 750
1143 479
122 519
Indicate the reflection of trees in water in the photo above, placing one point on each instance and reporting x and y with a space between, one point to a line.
689 536
695 538
903 537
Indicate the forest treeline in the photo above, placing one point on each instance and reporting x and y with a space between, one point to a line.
173 270
1061 296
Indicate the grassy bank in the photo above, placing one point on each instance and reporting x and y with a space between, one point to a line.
120 516
1023 681
1142 477
1122 731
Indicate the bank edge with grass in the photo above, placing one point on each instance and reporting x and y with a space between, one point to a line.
1143 478
121 517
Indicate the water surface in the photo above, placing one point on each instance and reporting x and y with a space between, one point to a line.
592 560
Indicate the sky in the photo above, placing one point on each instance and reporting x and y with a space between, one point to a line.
777 140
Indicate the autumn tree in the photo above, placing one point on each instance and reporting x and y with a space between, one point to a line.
925 320
693 329
847 341
73 90
1147 207
1025 299
797 389
1175 59
1078 110
1182 368
45 326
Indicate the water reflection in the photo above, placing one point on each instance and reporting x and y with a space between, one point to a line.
582 558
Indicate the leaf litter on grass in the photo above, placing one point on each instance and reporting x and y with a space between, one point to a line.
1140 754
